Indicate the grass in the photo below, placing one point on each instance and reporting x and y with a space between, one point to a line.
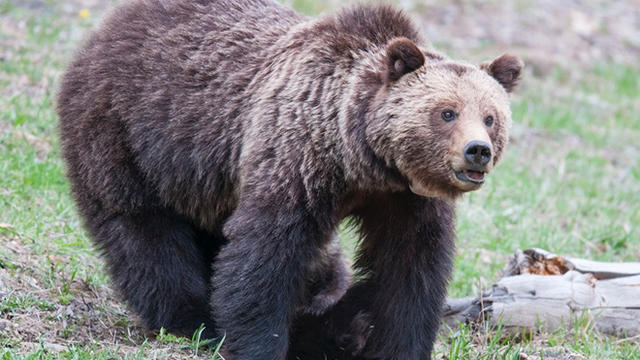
569 183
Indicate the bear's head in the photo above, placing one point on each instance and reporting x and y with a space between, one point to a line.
442 124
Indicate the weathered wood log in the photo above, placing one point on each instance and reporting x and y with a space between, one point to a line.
541 290
542 262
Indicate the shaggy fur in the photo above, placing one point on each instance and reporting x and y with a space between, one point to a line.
213 146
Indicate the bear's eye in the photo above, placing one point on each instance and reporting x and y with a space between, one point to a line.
488 121
448 115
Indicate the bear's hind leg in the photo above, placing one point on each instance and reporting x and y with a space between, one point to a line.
327 279
161 266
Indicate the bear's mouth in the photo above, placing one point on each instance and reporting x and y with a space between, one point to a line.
472 176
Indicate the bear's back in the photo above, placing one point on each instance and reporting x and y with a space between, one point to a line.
158 103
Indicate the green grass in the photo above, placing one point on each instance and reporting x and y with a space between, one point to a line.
13 303
601 112
580 342
569 183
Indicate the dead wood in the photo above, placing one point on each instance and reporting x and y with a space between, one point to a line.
541 290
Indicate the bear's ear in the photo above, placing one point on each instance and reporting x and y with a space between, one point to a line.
403 57
505 69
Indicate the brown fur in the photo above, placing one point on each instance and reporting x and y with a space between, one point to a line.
213 146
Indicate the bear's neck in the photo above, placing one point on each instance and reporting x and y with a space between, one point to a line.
333 86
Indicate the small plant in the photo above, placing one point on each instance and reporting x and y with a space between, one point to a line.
197 342
141 354
66 295
165 337
216 351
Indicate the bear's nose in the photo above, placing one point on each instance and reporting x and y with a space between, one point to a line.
477 152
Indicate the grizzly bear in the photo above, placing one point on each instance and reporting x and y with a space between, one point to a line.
213 147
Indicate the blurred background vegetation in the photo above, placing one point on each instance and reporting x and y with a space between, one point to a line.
569 182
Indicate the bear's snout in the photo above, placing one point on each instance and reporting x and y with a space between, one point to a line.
474 164
477 153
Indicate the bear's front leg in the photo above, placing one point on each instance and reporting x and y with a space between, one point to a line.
259 275
405 261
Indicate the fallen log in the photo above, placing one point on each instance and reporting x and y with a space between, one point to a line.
543 291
